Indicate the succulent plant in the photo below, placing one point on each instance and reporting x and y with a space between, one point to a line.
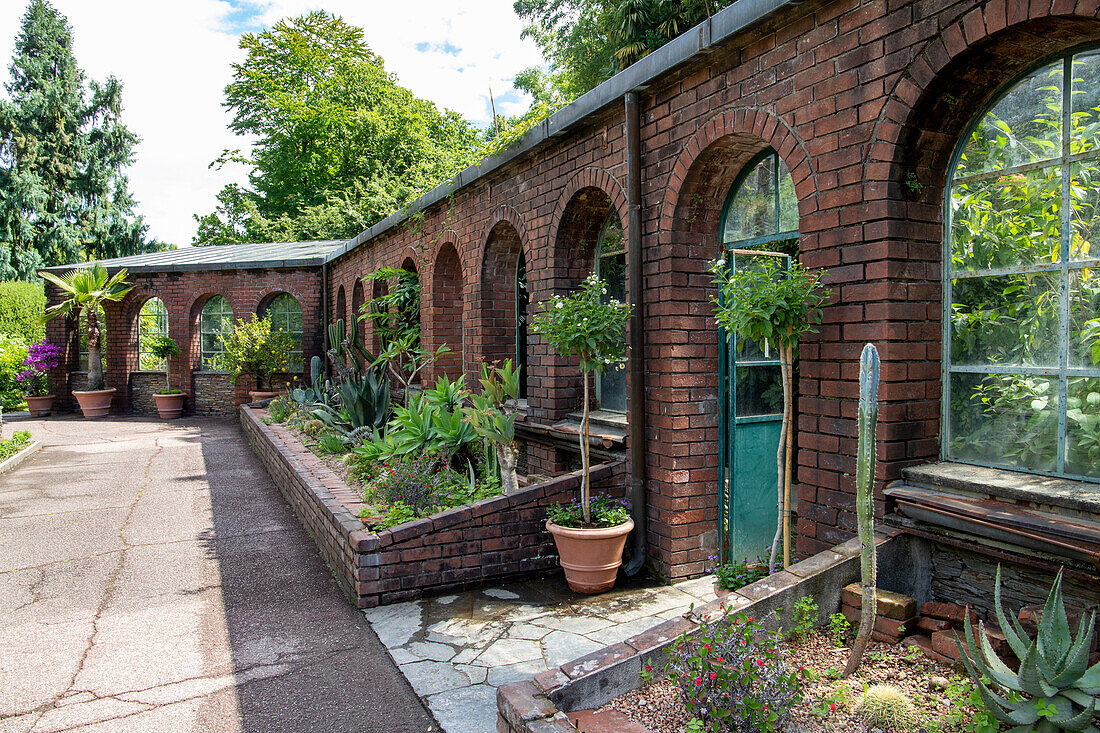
886 706
1054 689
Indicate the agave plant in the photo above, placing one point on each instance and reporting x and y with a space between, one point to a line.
1054 689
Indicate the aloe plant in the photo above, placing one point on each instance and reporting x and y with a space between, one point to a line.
865 500
1054 689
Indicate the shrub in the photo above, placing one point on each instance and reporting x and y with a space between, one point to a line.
41 358
19 440
734 676
21 307
13 352
886 706
421 484
253 348
606 512
731 576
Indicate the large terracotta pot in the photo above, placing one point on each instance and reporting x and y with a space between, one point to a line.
170 406
258 396
590 557
96 403
39 405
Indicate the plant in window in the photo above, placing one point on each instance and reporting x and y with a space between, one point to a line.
84 292
253 347
763 302
395 313
586 326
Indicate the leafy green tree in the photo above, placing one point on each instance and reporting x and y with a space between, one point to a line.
63 149
340 145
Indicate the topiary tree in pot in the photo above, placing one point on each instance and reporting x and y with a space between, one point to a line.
84 291
589 535
169 401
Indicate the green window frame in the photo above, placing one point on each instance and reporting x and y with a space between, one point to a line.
1021 305
522 299
215 320
152 321
286 315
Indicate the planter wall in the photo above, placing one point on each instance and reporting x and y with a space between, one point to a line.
214 394
142 387
493 539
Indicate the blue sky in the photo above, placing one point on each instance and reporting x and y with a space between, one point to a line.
174 58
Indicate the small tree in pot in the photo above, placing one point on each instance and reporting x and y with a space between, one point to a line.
589 536
84 292
169 401
253 348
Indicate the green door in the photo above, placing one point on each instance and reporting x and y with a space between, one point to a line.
752 417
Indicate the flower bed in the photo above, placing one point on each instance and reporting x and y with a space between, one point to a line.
19 440
498 537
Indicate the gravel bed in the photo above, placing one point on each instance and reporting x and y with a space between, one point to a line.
829 704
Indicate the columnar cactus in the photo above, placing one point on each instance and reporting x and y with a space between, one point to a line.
865 500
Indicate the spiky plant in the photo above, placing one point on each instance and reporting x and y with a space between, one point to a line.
1054 689
886 706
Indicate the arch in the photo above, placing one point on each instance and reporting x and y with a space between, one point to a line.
215 317
357 301
151 320
409 265
506 213
379 288
285 312
596 179
445 311
341 306
502 296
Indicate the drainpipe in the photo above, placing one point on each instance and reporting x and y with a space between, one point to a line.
637 333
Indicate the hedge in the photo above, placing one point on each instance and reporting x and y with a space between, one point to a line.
21 307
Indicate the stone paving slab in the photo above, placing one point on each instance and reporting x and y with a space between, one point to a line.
455 650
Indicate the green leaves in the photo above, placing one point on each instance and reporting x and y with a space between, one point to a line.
584 325
252 347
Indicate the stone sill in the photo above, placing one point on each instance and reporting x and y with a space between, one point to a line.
1032 490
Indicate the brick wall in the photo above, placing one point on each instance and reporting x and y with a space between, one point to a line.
499 537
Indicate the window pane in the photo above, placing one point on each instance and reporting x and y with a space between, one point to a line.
1010 220
1025 126
1084 318
1010 319
759 390
1085 195
1005 420
1085 129
152 322
788 201
1083 426
751 213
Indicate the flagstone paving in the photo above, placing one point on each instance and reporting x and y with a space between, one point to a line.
455 650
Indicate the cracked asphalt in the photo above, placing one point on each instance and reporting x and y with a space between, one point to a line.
153 579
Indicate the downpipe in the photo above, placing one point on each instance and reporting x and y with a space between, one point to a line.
637 334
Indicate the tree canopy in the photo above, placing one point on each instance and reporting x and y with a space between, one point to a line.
340 144
64 196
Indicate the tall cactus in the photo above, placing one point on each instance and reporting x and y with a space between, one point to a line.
865 500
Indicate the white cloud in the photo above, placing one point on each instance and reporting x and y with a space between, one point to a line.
174 58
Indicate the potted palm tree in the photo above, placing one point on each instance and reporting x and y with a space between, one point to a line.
590 535
169 401
84 292
253 348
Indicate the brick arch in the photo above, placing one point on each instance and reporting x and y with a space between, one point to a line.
131 313
506 213
586 178
445 310
496 297
341 305
357 300
192 350
379 287
735 135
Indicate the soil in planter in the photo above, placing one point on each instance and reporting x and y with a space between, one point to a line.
829 703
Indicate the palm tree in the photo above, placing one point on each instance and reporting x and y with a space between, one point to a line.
85 291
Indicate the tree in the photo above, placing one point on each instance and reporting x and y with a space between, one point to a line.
340 145
63 149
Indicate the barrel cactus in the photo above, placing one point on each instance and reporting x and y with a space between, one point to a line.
887 706
1054 689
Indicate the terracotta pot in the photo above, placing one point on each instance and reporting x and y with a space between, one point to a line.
590 557
258 396
719 591
170 406
96 403
40 405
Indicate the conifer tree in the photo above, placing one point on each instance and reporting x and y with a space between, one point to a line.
63 149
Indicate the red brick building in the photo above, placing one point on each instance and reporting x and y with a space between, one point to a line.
864 103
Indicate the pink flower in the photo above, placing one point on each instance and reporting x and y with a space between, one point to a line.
698 681
713 675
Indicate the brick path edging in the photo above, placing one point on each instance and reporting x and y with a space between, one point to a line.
540 704
492 539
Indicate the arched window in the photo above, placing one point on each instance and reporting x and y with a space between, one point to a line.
1021 288
286 315
152 322
522 300
216 319
611 268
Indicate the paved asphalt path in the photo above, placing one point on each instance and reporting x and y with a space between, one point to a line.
153 579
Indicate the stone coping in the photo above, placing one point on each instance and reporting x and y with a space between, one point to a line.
12 461
539 705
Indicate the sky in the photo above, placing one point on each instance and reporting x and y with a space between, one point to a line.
173 58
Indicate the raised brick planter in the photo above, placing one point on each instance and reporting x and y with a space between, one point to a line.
493 539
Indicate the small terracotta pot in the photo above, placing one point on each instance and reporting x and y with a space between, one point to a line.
590 557
719 591
258 396
95 403
170 406
40 405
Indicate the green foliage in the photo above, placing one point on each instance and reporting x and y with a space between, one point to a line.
63 194
21 308
805 617
734 575
13 351
404 359
252 347
339 144
585 325
19 440
606 512
396 313
839 629
84 291
886 706
1054 688
162 348
320 389
331 444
